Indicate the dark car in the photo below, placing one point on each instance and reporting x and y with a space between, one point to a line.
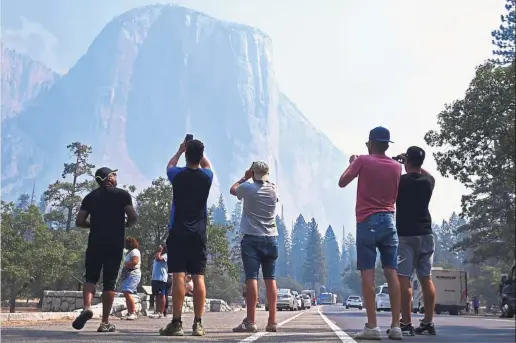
506 294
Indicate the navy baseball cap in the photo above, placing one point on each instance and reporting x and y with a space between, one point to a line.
380 134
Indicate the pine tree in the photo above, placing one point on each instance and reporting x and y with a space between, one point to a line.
220 214
332 254
64 197
351 248
23 202
234 236
314 268
299 239
284 242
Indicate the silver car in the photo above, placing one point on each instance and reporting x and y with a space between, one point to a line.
286 300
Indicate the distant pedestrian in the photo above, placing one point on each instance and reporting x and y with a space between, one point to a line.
378 180
131 276
476 304
159 281
259 243
187 240
107 207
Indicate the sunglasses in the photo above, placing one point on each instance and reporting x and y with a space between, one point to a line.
102 179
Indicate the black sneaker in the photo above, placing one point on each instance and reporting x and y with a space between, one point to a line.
81 320
406 329
425 327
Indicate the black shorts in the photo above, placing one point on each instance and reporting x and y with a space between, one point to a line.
186 252
105 258
159 287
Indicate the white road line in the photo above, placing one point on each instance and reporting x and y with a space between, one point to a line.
502 320
344 337
263 333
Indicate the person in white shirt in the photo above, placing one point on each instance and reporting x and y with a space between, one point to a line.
131 275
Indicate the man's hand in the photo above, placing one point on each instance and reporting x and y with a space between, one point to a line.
352 158
182 147
248 174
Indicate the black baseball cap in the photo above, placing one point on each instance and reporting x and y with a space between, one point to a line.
415 155
380 134
102 174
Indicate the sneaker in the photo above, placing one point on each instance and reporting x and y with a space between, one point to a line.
130 316
174 328
198 328
156 315
371 334
395 333
106 327
271 327
81 320
406 329
425 327
246 326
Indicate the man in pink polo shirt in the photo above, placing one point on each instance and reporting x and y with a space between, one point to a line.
378 180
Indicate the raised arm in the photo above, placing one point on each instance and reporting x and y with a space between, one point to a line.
205 163
175 159
351 172
233 190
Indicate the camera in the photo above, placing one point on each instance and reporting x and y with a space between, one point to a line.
401 158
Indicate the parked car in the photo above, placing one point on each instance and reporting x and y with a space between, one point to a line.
306 302
383 302
286 300
354 301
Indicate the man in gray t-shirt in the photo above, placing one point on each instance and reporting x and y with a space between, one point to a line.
259 243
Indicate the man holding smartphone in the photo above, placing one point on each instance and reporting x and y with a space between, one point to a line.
259 243
186 243
416 239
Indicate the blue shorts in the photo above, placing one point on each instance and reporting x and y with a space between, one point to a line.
259 251
377 231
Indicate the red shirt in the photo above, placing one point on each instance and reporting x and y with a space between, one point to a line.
378 180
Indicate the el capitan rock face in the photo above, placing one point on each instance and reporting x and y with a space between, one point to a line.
158 72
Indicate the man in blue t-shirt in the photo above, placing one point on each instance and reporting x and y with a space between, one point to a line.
186 243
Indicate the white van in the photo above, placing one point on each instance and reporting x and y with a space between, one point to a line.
383 301
451 290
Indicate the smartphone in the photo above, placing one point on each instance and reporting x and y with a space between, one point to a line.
188 138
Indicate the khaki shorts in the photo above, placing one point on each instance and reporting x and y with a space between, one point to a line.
416 253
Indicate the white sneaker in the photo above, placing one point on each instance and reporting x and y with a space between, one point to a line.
156 315
395 333
371 334
131 316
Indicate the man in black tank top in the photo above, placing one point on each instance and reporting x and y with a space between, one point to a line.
106 207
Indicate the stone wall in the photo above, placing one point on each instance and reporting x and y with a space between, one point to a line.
69 301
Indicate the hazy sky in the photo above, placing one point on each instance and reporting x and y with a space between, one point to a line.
348 65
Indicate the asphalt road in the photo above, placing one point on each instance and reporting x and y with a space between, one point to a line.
329 324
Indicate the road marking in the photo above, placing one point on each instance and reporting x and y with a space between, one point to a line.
502 320
263 333
344 337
